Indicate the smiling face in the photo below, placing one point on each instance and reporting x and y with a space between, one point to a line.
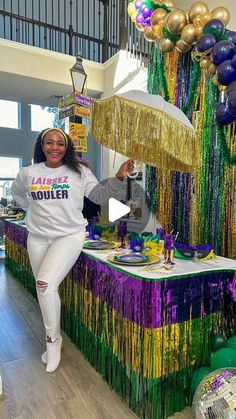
54 148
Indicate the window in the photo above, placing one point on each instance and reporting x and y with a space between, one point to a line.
44 117
9 117
9 167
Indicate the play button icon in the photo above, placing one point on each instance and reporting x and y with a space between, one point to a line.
116 209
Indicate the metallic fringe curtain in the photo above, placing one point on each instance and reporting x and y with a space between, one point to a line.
144 337
202 207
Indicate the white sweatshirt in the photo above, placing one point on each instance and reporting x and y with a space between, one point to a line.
53 198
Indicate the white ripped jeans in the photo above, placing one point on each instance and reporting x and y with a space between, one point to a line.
51 260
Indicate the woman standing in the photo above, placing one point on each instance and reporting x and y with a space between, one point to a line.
52 191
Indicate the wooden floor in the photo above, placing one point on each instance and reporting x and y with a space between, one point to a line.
74 391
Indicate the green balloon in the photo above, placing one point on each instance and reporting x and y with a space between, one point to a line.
223 358
217 342
231 342
198 376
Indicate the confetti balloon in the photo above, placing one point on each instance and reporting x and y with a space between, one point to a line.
216 395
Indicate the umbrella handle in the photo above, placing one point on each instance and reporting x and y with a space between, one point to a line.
134 176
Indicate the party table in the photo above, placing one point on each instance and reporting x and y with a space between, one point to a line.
144 332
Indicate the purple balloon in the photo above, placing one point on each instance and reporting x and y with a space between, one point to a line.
138 4
222 115
226 73
206 42
214 24
148 21
146 11
231 87
140 19
231 36
234 61
231 104
222 51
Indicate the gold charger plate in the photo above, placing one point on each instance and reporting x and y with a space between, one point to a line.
106 246
152 259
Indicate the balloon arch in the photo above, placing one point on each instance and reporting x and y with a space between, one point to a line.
192 64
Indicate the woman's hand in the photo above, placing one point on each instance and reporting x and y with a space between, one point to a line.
125 169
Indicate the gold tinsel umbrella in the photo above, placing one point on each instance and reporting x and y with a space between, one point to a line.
147 128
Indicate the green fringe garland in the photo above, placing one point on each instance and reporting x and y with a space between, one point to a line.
22 275
228 158
149 398
193 88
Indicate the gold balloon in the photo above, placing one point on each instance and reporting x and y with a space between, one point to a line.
197 20
170 4
181 46
157 1
187 15
133 17
198 9
222 14
212 69
188 34
176 21
131 9
149 34
205 63
199 30
166 44
205 18
157 15
157 30
139 27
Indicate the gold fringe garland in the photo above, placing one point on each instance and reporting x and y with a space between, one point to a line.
198 118
171 68
145 134
164 191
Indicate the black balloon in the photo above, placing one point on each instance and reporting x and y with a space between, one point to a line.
214 25
223 117
231 36
222 51
231 103
206 42
226 73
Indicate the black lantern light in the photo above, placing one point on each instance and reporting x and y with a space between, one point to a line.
78 75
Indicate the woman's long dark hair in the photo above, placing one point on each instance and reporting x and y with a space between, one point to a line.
70 159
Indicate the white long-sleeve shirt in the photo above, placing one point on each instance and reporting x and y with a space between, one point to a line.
53 198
